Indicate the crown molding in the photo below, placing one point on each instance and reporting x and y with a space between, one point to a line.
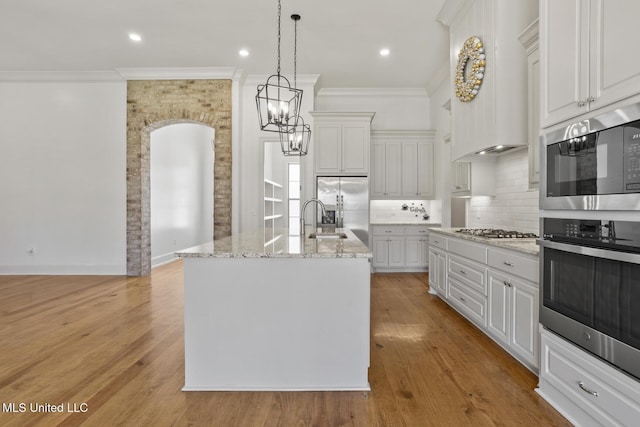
60 76
377 92
450 9
529 36
178 73
438 78
305 79
344 115
402 133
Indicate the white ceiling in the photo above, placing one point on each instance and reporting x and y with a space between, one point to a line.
337 39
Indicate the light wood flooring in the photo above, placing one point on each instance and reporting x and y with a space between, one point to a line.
115 344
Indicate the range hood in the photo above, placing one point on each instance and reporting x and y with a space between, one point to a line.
497 149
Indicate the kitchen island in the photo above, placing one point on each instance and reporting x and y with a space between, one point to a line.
283 313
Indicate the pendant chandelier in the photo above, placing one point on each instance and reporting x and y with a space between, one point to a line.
278 103
294 140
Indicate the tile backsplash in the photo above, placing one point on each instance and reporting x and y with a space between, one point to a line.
391 210
514 205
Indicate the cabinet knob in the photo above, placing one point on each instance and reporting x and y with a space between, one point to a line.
591 99
507 283
458 187
582 103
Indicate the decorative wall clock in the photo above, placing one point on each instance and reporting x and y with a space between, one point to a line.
468 80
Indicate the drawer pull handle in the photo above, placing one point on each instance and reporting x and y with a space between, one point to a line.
462 299
587 390
463 272
387 231
436 241
507 263
506 283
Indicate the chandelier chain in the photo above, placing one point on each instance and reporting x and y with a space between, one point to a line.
279 13
295 53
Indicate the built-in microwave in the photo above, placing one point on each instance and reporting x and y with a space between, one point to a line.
593 164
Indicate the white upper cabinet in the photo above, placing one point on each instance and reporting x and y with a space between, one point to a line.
497 115
530 40
341 143
587 59
402 164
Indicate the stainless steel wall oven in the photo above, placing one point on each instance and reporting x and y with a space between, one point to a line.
590 290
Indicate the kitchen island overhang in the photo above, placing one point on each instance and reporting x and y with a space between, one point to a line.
289 317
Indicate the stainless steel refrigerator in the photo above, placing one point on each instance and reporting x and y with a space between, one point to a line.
347 202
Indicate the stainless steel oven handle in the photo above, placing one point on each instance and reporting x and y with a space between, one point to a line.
594 252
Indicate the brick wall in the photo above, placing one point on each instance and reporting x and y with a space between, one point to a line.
152 104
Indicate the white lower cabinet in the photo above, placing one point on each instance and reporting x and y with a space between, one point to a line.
495 288
438 265
513 315
583 388
400 248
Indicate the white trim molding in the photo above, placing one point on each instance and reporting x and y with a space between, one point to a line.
377 92
60 76
178 73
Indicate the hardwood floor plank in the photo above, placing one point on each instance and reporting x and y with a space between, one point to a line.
116 344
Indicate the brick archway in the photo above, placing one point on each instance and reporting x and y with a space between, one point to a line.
152 104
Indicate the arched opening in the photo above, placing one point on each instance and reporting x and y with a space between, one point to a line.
181 185
151 105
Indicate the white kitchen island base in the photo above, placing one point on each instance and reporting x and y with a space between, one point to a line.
276 323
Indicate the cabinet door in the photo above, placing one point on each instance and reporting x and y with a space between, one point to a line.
380 252
413 254
355 149
393 168
433 270
498 300
328 148
564 48
396 251
425 170
461 177
524 321
378 169
410 168
442 275
533 66
615 66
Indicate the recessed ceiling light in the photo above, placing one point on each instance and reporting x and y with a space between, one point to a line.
135 37
243 52
384 52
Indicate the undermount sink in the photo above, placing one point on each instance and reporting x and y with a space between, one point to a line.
327 236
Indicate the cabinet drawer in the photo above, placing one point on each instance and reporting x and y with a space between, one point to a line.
579 375
472 305
476 252
514 264
438 241
388 230
416 230
470 274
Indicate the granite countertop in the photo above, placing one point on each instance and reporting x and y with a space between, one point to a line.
265 243
404 221
527 246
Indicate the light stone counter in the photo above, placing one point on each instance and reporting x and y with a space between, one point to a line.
527 246
404 221
263 244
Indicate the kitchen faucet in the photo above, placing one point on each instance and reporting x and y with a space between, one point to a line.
324 213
